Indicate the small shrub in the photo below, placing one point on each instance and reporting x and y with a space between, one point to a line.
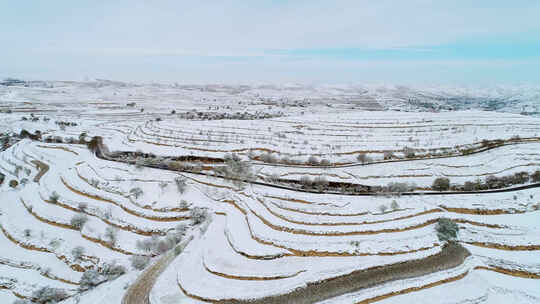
139 262
163 246
148 244
78 221
325 162
24 181
273 178
470 186
399 187
388 155
518 178
363 158
198 215
382 208
269 158
446 229
13 183
113 270
111 235
235 168
409 152
108 213
441 184
183 204
94 143
54 243
180 184
94 182
136 192
231 157
47 295
467 151
54 197
83 206
493 182
305 181
320 183
313 160
77 252
536 176
82 137
90 279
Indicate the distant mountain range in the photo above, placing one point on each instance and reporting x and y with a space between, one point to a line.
524 99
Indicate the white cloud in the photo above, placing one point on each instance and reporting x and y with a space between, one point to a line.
111 38
243 26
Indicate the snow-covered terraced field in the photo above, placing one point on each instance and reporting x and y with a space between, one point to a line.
335 137
123 218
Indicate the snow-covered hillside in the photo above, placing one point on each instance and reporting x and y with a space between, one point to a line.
127 193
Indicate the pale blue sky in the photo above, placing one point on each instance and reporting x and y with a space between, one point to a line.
414 41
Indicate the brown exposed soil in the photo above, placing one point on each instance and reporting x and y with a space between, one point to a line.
481 211
42 167
505 247
59 148
249 278
511 272
319 213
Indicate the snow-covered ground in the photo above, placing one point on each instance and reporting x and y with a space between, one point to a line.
257 240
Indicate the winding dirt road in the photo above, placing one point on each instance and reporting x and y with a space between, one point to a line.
451 256
138 292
